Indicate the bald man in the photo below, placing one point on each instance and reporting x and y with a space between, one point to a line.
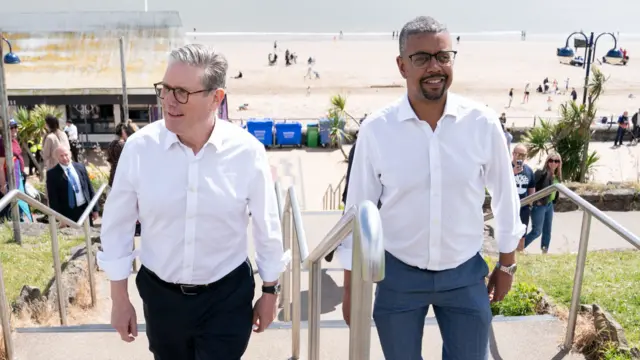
525 183
68 187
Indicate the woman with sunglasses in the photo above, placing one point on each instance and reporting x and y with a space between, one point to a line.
542 212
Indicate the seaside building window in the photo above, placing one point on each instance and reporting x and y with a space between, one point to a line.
100 119
139 114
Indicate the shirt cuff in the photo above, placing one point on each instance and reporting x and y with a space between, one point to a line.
272 273
118 269
345 256
508 243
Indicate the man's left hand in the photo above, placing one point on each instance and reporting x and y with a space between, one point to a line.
264 312
499 285
94 215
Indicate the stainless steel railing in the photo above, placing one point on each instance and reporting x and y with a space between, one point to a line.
294 238
363 222
589 211
82 223
332 196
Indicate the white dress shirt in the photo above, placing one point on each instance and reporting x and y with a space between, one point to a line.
72 132
432 183
80 200
192 207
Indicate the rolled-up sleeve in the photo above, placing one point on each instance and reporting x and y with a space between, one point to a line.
119 219
271 258
364 184
501 185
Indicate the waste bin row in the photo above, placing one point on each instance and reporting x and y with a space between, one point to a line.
289 133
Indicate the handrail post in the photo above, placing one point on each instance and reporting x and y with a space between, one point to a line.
361 301
315 296
92 280
55 248
6 317
296 306
578 278
286 275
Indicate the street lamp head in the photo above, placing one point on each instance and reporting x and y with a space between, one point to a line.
10 57
614 57
565 54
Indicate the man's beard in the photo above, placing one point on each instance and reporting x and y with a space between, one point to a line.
431 95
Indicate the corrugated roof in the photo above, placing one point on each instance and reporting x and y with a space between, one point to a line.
91 21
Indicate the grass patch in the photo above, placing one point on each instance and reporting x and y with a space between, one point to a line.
611 280
31 263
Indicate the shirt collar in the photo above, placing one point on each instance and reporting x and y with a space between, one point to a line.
216 138
406 112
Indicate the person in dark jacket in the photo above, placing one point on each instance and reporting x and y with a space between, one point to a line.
542 211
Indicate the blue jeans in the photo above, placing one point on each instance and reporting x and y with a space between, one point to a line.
460 302
541 222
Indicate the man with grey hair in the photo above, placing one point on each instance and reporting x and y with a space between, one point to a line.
430 204
190 180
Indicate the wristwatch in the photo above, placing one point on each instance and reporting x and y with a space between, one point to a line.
273 289
511 270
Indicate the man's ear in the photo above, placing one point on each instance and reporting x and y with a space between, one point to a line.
401 66
219 95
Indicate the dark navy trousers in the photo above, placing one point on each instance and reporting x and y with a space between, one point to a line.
460 301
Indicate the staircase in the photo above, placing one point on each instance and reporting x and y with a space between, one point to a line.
534 338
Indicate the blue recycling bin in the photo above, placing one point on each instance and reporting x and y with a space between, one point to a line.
324 126
325 131
289 134
262 129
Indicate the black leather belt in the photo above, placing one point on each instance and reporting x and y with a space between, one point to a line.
185 289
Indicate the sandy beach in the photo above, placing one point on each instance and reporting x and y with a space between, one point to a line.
365 71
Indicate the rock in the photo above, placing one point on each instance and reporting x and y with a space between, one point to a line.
37 229
610 200
608 329
586 309
74 277
635 354
28 295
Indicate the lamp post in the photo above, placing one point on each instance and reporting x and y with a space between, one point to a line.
613 56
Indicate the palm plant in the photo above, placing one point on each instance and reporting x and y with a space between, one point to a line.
336 130
31 124
339 102
570 136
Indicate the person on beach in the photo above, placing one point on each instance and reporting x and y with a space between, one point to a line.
192 180
510 98
451 150
526 94
542 211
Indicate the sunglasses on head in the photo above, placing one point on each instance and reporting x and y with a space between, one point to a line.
554 161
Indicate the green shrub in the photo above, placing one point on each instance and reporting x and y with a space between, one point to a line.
522 300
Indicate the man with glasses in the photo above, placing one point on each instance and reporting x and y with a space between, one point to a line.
525 184
451 149
190 179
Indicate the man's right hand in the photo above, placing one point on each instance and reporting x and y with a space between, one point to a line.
124 320
346 298
346 306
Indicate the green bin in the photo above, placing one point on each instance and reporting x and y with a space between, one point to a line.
312 135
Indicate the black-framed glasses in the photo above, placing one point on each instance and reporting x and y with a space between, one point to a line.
422 59
181 95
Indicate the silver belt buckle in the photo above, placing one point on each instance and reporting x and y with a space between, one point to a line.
185 289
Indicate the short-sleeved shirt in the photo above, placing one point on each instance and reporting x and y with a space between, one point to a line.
17 151
525 180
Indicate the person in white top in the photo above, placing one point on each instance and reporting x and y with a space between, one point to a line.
427 159
190 179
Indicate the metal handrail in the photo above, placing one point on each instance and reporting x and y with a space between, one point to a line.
83 222
589 211
331 198
294 238
363 222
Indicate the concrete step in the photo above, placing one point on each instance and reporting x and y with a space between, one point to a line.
529 338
